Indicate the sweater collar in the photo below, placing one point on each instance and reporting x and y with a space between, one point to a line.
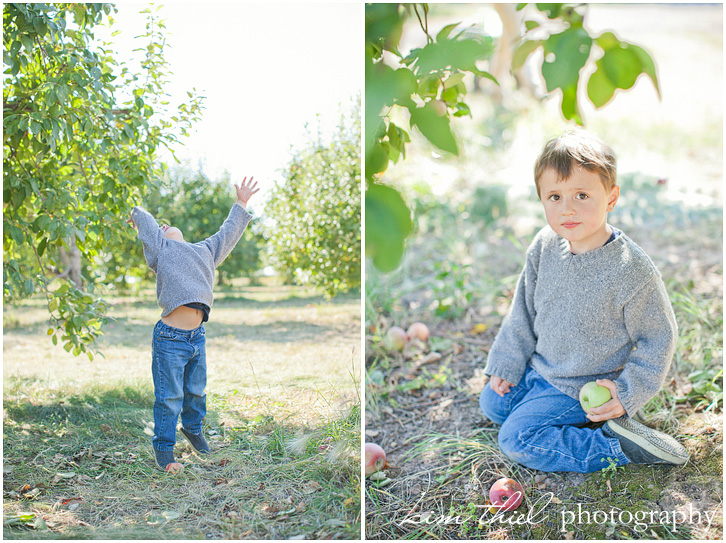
604 251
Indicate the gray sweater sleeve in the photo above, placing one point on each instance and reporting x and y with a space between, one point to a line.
515 343
222 243
149 233
652 327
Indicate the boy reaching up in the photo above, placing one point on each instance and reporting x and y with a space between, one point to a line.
184 280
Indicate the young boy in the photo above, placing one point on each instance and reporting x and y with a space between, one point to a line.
184 278
589 306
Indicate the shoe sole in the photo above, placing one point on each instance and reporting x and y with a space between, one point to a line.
643 443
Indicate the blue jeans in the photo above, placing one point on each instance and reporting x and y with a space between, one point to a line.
543 428
179 369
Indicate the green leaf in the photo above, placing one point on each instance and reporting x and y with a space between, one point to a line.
462 110
388 224
454 79
621 65
551 10
571 50
600 89
17 235
435 128
42 245
376 160
647 65
451 54
529 25
569 107
444 32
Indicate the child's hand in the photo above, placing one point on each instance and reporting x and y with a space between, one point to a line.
610 410
499 385
245 191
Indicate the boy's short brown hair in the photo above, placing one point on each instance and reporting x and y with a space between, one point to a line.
581 148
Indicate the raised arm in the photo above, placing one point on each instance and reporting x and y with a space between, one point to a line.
149 233
222 243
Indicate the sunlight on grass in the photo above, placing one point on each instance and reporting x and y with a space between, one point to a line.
283 422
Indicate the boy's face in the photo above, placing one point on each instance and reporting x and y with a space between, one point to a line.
576 208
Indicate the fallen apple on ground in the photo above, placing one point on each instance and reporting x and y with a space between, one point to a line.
418 330
396 338
174 467
506 494
375 458
593 395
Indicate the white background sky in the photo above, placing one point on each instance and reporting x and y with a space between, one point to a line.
266 70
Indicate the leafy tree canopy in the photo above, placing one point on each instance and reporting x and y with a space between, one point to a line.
315 235
428 82
81 133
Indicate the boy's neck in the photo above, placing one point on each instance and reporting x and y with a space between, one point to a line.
593 242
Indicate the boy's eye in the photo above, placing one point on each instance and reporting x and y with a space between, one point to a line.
582 196
554 197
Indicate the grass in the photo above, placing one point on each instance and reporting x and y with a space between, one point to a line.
284 428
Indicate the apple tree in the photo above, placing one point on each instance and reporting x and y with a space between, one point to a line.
428 83
315 212
81 135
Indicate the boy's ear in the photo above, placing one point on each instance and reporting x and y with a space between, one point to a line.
614 195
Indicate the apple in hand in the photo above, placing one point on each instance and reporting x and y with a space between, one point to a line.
418 330
375 458
506 494
396 338
593 395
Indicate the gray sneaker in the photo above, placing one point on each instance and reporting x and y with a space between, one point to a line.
643 445
197 442
163 458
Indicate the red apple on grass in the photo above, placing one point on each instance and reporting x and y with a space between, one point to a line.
506 494
375 458
418 330
593 395
396 338
173 468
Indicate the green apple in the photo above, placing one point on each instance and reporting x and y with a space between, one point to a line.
593 395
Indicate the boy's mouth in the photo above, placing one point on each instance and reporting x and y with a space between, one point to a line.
570 224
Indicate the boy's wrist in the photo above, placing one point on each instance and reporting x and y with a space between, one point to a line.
241 203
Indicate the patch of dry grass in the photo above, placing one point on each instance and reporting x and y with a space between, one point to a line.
284 430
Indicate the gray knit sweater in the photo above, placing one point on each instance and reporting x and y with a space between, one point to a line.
185 271
603 314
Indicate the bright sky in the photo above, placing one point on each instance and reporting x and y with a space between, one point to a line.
266 70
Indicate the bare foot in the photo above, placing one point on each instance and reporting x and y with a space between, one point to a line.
173 468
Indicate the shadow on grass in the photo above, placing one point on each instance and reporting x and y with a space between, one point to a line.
79 465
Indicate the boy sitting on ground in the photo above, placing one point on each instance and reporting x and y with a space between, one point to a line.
589 306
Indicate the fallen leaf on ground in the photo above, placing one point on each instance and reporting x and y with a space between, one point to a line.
478 328
311 486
